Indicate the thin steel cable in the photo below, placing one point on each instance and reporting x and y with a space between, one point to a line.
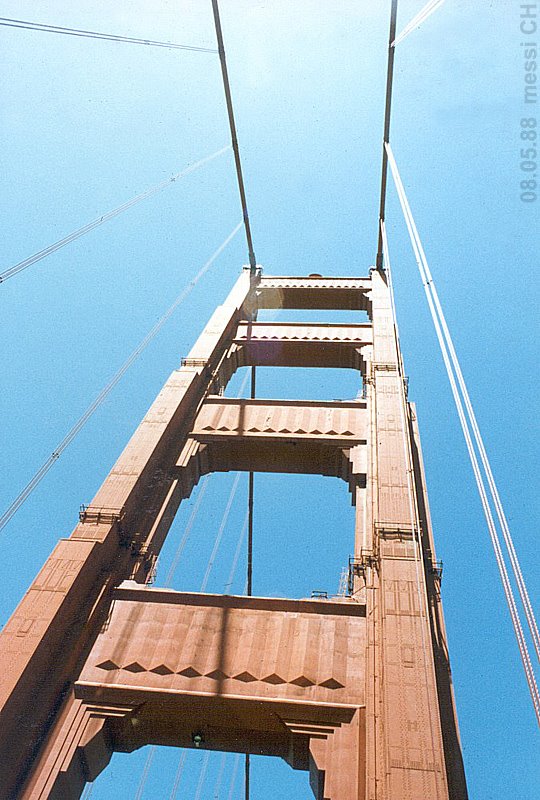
204 485
219 777
429 285
450 368
232 573
90 226
422 15
233 776
170 576
246 776
174 565
220 532
234 139
516 567
178 776
499 509
88 789
202 776
70 436
146 770
211 560
110 37
422 263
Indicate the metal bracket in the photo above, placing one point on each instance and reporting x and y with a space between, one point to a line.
394 532
193 362
436 569
100 516
359 566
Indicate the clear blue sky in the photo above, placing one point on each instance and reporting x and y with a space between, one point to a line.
88 124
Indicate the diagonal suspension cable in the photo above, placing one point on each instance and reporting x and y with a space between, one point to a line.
234 139
90 226
422 15
455 377
110 37
107 389
429 283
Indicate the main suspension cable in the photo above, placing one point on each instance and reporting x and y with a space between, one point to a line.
429 285
110 37
90 226
107 389
422 15
234 139
453 370
386 133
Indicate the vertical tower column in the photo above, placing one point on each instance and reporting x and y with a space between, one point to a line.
405 750
119 536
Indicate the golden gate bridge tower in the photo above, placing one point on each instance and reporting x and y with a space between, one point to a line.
355 690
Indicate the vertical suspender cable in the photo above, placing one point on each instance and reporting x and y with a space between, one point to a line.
234 139
386 135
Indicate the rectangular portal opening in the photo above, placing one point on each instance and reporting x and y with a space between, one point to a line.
313 315
172 773
303 536
297 383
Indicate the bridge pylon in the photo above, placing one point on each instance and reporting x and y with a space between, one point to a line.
355 689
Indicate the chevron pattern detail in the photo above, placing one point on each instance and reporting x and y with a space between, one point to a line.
218 675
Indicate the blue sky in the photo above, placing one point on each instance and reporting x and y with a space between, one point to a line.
89 124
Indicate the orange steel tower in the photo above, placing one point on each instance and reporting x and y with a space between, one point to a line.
356 689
